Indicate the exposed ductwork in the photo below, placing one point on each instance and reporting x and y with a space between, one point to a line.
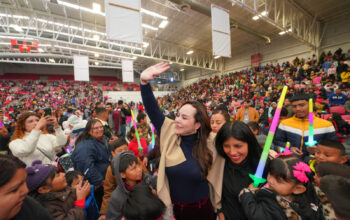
186 5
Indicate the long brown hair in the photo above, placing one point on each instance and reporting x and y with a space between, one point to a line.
200 151
20 125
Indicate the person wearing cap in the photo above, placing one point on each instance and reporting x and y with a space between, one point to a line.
49 188
15 203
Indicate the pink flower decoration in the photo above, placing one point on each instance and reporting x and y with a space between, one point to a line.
299 172
302 167
285 153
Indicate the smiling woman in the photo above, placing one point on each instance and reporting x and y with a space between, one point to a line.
189 166
13 190
238 145
91 156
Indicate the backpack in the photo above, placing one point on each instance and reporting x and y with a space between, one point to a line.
91 209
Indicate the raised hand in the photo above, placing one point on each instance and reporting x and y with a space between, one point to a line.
41 123
52 120
82 191
149 73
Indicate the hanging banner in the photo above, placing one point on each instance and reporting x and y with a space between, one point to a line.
128 70
81 68
123 20
255 60
221 33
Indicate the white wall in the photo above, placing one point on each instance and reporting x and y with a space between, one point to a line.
134 96
54 70
285 48
337 35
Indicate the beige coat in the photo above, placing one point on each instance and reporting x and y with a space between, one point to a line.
171 155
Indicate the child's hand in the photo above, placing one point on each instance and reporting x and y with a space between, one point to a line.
145 161
252 187
296 151
83 191
140 153
311 150
221 216
102 217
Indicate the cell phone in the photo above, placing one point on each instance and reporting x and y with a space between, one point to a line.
47 111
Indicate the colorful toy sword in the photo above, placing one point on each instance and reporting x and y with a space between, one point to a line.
257 177
136 132
151 146
286 148
311 142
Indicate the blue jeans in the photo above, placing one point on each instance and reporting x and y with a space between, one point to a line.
122 130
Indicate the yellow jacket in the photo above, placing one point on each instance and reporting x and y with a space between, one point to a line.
253 114
345 76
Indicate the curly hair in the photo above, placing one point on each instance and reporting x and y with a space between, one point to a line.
20 126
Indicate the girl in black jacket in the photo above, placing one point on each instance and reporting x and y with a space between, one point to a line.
288 194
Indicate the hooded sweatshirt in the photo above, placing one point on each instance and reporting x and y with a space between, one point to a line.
120 194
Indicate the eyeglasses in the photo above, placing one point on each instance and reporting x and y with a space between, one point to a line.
97 128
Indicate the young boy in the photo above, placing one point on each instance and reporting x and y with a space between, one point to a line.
146 129
128 172
329 151
49 187
74 178
110 182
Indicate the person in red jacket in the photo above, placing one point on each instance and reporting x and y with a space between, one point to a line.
133 145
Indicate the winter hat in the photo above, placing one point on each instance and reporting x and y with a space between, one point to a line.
37 174
73 120
79 127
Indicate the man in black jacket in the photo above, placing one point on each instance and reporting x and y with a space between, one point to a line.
124 110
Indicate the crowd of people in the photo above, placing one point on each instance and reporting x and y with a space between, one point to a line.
68 153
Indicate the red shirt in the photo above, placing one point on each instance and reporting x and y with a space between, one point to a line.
133 146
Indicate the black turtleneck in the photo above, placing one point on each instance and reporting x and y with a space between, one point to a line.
185 181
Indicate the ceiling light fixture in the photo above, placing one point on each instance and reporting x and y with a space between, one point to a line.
256 17
264 13
16 27
149 27
189 52
145 44
96 63
96 37
52 60
182 69
217 57
97 55
41 50
96 7
91 52
282 33
163 24
153 14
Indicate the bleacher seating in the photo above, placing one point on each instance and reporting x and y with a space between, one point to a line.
337 109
